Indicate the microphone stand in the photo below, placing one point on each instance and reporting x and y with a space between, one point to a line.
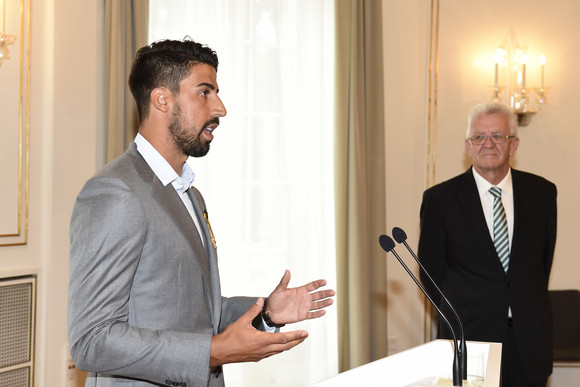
389 246
398 232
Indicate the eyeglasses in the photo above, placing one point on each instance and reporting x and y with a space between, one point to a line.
495 138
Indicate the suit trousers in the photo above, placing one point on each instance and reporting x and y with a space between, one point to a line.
512 372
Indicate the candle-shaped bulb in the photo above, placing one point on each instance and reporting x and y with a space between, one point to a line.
542 63
495 71
524 61
499 59
499 56
542 59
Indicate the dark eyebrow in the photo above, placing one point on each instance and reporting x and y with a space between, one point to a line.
208 85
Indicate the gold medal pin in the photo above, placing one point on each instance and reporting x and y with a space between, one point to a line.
209 228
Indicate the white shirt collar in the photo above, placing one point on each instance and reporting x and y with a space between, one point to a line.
483 185
162 169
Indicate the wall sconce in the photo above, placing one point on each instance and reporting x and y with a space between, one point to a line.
5 40
524 100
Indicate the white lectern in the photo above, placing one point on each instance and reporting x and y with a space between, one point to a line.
429 364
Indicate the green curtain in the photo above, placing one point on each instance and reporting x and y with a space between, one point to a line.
126 30
360 183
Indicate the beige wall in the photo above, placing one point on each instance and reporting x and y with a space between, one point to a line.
66 118
548 145
425 136
75 105
406 33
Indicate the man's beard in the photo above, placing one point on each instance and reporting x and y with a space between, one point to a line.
190 144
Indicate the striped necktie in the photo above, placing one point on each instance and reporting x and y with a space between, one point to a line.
500 228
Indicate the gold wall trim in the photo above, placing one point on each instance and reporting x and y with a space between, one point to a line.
431 148
20 235
432 96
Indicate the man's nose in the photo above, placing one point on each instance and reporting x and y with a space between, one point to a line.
488 142
220 108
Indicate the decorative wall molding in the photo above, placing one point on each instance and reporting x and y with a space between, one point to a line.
429 327
14 117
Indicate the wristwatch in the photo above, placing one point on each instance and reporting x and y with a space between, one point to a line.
266 316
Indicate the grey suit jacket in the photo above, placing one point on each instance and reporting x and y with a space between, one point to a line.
144 292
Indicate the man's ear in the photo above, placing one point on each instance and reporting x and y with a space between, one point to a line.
159 98
514 145
468 147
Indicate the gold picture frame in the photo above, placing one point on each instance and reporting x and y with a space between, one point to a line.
15 122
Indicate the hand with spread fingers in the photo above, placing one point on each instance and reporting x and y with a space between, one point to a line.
241 342
289 305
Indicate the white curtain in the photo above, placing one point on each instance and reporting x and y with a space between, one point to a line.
268 178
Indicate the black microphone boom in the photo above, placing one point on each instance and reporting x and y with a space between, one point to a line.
389 246
401 237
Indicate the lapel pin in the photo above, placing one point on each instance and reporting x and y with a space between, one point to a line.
209 229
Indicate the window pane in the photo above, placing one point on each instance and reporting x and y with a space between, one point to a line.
268 179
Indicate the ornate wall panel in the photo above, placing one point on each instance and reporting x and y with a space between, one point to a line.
14 120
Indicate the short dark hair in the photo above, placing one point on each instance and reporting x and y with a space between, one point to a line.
165 64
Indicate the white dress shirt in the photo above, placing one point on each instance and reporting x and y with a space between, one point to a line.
166 174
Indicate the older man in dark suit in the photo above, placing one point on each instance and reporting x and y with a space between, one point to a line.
488 238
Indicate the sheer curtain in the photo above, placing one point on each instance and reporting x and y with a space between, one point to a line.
268 179
125 32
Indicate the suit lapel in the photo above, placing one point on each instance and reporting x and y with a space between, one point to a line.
169 200
172 204
201 212
521 213
203 251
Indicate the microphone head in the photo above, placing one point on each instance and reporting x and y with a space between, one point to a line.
399 235
386 243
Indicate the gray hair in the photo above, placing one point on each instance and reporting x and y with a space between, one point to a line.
492 108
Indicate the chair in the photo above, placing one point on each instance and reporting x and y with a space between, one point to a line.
566 314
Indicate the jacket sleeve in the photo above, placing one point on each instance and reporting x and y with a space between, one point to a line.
551 231
432 250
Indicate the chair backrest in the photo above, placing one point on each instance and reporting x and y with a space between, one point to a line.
566 312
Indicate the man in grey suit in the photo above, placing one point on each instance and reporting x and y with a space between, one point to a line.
145 306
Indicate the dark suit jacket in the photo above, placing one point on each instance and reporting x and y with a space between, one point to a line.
456 248
144 293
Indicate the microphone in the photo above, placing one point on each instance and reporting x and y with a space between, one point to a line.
401 237
389 246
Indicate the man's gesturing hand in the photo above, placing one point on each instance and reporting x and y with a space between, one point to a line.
241 342
289 305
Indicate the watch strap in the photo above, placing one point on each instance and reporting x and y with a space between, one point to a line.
266 316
